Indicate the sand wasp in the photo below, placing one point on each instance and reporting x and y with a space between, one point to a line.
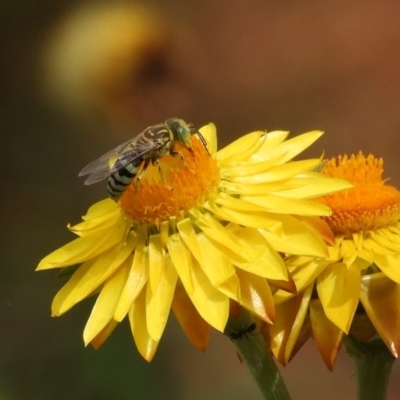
129 160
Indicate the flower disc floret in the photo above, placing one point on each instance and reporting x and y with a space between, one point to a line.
371 204
170 188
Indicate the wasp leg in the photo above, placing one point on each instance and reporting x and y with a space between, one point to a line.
140 174
156 162
177 153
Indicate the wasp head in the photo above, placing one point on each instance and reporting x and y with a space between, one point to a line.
183 131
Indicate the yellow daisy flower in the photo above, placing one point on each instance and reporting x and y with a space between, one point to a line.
356 289
203 232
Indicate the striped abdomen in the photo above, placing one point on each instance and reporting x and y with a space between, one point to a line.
147 147
118 182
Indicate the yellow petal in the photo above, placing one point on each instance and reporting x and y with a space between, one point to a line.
273 140
238 188
209 132
338 289
304 185
290 148
268 263
196 329
348 251
288 286
244 213
288 324
320 227
64 293
137 278
298 323
85 248
252 219
92 225
386 241
237 204
373 246
211 304
212 228
280 330
328 337
256 295
304 271
104 334
278 173
218 268
182 260
296 238
101 208
310 185
103 310
189 236
389 265
90 276
275 203
358 264
158 303
381 300
156 261
242 148
146 346
302 337
358 239
249 168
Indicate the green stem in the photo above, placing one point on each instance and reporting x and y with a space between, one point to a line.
373 363
245 333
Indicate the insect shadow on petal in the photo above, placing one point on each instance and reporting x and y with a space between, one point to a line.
129 160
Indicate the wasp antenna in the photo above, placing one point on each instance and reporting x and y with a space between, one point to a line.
201 137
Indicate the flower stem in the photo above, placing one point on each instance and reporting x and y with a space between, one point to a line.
245 333
373 363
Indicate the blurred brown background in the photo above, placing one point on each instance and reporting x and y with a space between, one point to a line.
78 78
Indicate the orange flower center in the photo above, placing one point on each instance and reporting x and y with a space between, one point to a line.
171 188
370 204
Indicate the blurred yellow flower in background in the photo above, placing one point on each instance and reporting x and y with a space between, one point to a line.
96 54
207 230
356 289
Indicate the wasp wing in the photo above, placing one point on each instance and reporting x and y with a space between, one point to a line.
112 161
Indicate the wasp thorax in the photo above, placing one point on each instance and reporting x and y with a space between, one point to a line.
172 186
